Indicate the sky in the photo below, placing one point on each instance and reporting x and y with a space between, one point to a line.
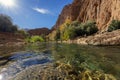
30 14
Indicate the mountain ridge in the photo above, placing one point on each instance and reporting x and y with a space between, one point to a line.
39 31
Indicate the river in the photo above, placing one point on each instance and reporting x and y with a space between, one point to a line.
15 60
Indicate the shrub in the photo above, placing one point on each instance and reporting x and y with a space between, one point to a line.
69 31
115 24
52 35
57 36
22 32
87 28
80 30
75 23
72 30
90 27
35 39
72 33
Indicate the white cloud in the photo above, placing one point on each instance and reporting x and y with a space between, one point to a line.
42 11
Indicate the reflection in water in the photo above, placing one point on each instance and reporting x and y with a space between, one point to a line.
91 57
101 58
1 77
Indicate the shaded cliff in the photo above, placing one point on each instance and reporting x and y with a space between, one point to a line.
101 11
39 31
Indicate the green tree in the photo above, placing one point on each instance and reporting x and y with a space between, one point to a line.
14 28
6 24
75 23
115 24
74 29
57 36
69 33
87 28
90 27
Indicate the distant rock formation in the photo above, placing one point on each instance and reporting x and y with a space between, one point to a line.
101 11
39 31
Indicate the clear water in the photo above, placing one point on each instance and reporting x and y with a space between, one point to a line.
15 59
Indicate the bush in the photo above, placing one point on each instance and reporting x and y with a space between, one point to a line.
75 29
57 36
35 39
22 32
52 36
69 31
75 23
115 24
90 28
87 28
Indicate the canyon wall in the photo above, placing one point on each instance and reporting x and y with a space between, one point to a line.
101 11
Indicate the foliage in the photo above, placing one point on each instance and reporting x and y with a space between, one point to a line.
71 30
76 29
69 33
52 35
43 36
6 24
89 28
65 24
35 39
22 32
65 30
57 36
115 24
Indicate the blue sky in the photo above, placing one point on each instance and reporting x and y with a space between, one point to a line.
34 13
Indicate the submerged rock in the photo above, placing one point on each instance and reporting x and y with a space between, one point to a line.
89 75
60 71
22 62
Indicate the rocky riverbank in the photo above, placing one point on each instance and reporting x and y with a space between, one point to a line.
11 39
106 38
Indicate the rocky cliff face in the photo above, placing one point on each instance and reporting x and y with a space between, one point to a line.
39 31
101 11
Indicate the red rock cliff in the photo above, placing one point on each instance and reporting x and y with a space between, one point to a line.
101 11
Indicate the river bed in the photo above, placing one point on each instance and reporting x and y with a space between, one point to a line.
34 58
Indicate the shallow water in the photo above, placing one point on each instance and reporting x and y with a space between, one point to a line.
13 60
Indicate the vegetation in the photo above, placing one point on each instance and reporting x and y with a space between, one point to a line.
6 24
22 32
57 35
52 36
69 33
115 24
35 39
71 30
89 28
